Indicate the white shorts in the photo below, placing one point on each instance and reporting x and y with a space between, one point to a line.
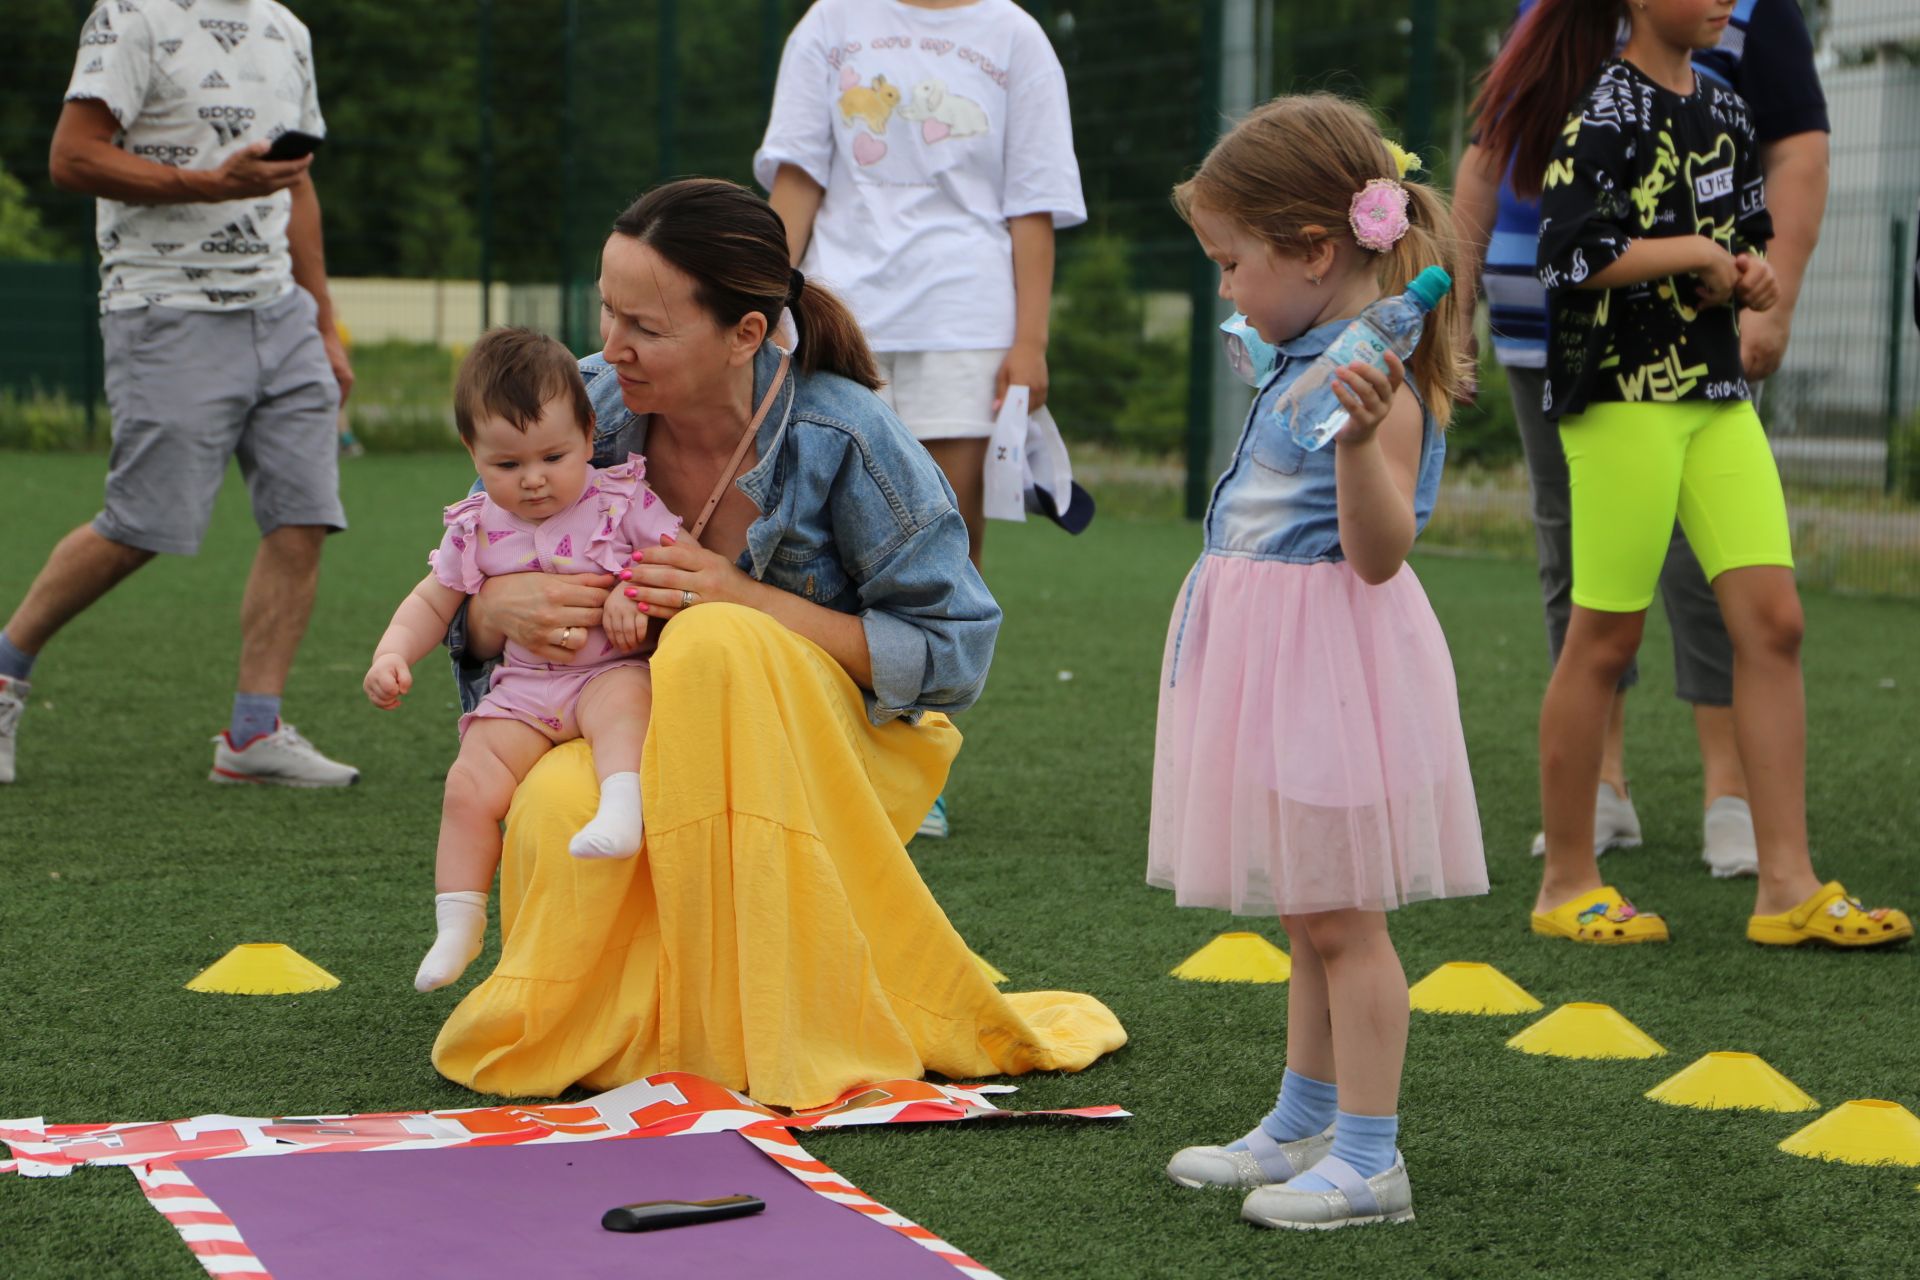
941 395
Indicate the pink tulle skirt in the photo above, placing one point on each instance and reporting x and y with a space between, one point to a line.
1309 754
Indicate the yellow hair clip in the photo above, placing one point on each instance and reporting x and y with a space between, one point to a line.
1404 161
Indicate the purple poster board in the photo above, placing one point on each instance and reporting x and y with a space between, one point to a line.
535 1211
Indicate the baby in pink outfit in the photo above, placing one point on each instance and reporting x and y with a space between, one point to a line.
523 414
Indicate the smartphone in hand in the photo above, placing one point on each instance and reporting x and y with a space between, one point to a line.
293 145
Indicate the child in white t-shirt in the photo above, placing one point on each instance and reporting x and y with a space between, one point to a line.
921 154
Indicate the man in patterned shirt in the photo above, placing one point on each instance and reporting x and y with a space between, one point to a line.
219 337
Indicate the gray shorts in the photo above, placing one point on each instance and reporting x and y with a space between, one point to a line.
1702 651
191 389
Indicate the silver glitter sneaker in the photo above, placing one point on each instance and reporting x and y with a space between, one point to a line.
1385 1197
1263 1163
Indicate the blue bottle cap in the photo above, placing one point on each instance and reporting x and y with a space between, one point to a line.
1430 286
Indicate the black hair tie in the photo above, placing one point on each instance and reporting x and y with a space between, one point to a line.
796 285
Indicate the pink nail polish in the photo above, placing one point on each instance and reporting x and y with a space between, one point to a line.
626 575
639 555
645 607
665 538
633 593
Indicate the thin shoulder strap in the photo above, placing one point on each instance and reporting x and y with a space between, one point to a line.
740 450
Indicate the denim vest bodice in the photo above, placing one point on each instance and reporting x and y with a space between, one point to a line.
1278 501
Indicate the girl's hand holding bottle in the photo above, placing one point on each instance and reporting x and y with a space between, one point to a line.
1757 288
1366 393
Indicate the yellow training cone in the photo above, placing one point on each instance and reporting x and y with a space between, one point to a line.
1586 1030
1864 1131
993 975
1236 957
1467 986
263 969
1731 1082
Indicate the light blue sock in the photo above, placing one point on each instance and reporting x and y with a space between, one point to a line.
13 662
1365 1142
254 716
1305 1107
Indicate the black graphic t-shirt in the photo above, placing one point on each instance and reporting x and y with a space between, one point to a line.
1637 161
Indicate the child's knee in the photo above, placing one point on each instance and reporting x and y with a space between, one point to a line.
482 788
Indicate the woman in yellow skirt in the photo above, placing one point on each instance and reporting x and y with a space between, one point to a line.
821 618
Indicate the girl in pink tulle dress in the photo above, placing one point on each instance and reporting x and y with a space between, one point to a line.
1309 761
523 413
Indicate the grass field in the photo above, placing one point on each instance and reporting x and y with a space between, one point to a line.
122 873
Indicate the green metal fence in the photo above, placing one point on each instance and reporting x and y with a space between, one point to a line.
479 150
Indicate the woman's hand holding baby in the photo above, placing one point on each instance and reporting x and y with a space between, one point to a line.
681 573
388 680
534 610
1367 395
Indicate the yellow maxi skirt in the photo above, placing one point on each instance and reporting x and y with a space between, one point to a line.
772 934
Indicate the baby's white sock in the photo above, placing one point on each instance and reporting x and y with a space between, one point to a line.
615 830
462 917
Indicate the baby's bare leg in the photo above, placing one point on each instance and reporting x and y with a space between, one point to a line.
494 756
613 713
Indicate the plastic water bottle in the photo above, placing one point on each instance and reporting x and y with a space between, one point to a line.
1308 409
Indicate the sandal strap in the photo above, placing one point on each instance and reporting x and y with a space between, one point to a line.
1348 1181
1269 1155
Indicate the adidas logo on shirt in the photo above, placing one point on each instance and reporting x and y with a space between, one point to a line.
170 47
215 80
169 153
229 34
273 32
229 123
93 68
236 237
166 247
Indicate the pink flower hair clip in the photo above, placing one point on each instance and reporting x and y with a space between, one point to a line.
1378 214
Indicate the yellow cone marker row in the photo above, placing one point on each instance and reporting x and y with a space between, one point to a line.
1728 1081
1584 1029
1236 957
262 969
1467 986
1864 1131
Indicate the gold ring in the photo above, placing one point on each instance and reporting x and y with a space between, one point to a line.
566 637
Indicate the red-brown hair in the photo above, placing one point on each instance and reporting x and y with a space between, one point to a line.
513 373
1550 57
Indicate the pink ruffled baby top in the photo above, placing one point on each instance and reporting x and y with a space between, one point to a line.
615 515
1309 755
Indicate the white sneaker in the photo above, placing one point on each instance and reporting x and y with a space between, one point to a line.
13 703
1615 824
1728 847
1265 1161
282 758
1385 1197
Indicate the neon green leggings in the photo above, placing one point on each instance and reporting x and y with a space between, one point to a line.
1632 467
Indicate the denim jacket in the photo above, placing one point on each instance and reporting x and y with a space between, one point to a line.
1278 501
855 516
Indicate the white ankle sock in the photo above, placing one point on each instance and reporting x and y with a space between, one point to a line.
615 830
462 917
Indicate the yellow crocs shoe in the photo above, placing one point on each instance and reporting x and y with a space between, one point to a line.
1604 917
1832 918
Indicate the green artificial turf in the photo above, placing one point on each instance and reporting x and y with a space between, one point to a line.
122 873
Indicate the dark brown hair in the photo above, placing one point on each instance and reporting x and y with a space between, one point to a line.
513 374
734 246
1288 173
1550 57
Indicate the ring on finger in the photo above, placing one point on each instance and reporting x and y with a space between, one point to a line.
686 599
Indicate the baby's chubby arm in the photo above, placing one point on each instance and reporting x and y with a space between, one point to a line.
625 625
418 626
